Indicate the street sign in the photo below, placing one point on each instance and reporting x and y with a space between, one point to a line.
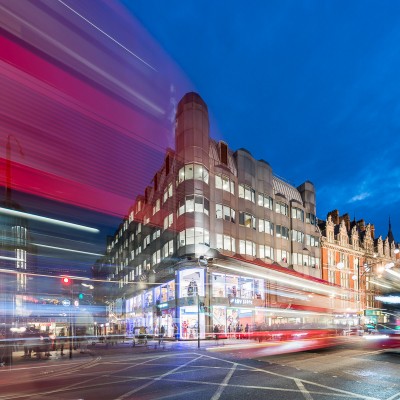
66 303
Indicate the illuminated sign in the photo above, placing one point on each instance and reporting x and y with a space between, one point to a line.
369 313
240 302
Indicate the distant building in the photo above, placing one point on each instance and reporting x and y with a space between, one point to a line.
353 258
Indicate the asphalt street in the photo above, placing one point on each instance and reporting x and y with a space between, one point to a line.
216 371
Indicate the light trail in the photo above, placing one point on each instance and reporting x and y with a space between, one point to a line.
69 250
107 35
34 217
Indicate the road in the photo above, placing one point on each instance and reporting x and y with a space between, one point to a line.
348 371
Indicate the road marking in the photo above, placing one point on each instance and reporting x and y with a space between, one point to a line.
224 383
157 379
303 390
356 395
394 397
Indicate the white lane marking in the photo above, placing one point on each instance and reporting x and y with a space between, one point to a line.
394 397
224 383
303 390
157 379
76 385
356 395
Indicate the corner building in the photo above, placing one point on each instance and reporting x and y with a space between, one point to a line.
217 239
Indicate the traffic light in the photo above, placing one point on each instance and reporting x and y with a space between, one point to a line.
66 281
80 296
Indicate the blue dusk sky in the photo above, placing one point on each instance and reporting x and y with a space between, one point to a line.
312 87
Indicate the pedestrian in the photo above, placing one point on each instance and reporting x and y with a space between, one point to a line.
246 329
176 331
61 340
216 332
162 333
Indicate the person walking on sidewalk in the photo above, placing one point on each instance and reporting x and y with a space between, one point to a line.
216 332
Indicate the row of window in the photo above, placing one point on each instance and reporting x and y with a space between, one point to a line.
245 220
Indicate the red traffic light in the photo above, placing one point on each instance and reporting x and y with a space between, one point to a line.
66 281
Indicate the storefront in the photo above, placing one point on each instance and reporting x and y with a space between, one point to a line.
196 301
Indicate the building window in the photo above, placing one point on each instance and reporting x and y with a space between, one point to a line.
266 226
223 153
194 203
247 247
146 241
225 212
331 275
226 242
168 249
156 234
312 241
224 183
168 220
266 252
282 255
311 219
297 236
282 231
297 213
156 258
344 280
248 193
193 171
156 207
167 192
194 236
265 201
247 220
281 208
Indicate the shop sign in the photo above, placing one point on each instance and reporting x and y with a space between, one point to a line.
240 302
163 305
369 313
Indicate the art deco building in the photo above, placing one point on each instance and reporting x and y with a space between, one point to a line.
218 228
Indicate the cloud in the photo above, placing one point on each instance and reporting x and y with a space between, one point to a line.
359 197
